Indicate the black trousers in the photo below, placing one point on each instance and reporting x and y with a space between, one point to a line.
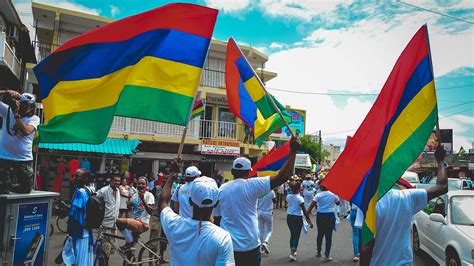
16 176
248 258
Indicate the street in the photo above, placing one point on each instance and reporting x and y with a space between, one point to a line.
279 246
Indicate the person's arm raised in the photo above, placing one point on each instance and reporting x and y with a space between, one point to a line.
441 186
165 195
287 170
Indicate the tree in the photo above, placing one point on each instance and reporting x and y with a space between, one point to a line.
314 149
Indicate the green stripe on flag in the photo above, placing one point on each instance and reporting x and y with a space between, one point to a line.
276 124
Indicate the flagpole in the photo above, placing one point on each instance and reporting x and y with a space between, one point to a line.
266 92
438 134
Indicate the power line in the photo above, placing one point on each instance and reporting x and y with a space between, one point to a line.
457 113
334 133
456 105
436 12
356 94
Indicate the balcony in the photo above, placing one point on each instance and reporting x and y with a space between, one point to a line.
213 78
197 129
7 56
42 49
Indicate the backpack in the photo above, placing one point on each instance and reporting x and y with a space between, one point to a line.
95 211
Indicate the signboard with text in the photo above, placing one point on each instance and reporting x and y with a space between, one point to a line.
297 125
31 234
220 147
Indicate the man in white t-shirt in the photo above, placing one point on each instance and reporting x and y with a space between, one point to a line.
18 129
394 213
265 219
195 240
142 207
181 195
238 205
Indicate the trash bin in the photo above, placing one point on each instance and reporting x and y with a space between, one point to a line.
25 228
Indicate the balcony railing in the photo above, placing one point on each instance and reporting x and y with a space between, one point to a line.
42 49
213 78
7 56
197 129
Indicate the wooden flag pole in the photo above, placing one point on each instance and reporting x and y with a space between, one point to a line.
266 92
438 134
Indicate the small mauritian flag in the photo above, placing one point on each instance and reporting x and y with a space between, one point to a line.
391 136
198 109
247 98
271 163
146 66
403 184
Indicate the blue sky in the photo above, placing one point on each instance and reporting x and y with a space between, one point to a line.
334 46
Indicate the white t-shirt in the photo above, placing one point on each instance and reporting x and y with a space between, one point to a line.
238 207
265 202
138 210
326 201
189 246
16 147
294 201
181 195
308 188
394 215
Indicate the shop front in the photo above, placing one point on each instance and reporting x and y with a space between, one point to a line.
217 157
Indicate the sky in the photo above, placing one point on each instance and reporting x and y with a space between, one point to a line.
335 47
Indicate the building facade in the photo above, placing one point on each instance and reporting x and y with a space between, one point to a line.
212 140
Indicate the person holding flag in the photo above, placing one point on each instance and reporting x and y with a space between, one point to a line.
238 204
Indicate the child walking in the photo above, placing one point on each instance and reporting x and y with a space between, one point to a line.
296 210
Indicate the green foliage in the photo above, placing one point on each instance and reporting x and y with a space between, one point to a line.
313 148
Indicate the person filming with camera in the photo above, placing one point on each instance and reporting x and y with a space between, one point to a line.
18 129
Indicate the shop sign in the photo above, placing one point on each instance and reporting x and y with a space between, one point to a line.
220 147
297 125
470 166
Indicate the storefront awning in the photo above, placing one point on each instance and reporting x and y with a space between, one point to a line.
112 146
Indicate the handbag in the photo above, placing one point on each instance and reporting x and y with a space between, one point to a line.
69 258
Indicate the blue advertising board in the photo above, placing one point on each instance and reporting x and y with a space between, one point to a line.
30 234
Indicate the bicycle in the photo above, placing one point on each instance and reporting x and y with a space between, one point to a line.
150 247
61 211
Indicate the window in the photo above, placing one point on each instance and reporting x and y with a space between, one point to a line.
461 210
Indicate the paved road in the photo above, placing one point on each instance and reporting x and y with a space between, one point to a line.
279 246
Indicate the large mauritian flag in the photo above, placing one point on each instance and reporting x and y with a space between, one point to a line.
392 135
145 66
248 99
271 163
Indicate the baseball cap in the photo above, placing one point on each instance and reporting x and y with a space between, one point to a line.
242 163
204 192
192 171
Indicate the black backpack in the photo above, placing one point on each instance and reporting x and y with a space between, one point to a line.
95 211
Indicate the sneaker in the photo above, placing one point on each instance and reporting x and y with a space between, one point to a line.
326 259
318 255
292 258
265 248
127 247
355 259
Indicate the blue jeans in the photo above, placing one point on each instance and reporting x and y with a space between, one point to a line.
325 223
355 233
295 224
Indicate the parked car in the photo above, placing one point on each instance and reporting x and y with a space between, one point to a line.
456 183
411 178
445 229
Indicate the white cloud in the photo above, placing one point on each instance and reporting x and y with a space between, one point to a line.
276 45
114 10
359 59
469 120
302 9
228 5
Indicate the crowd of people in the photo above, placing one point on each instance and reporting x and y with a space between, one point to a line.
212 223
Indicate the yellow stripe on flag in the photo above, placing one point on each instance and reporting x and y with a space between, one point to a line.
371 214
414 114
152 72
254 89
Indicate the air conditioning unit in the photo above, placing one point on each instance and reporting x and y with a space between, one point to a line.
12 32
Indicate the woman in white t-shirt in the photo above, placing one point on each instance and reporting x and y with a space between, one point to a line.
295 211
326 203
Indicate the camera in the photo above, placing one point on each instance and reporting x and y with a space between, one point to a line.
9 100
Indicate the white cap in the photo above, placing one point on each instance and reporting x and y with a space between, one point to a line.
242 163
204 192
192 171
